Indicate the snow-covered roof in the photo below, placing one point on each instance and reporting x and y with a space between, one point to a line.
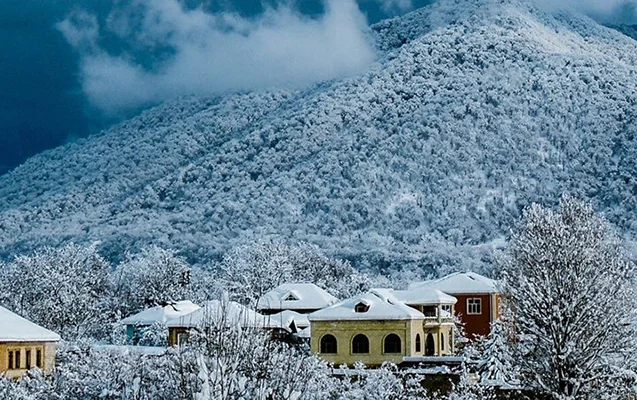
296 296
161 314
424 296
286 317
380 304
14 328
224 313
460 283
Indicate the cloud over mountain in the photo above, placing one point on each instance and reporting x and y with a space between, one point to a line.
205 54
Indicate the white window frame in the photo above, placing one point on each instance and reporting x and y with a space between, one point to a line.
473 302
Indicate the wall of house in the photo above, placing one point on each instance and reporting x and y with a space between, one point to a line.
48 356
477 324
376 331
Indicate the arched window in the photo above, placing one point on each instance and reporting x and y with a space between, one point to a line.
442 341
392 344
360 344
329 345
430 345
418 343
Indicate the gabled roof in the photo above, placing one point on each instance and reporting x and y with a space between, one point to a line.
226 314
14 328
161 314
423 296
382 306
296 296
460 283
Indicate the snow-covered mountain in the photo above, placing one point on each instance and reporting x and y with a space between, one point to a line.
474 109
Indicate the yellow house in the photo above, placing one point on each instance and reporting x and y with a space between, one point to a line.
24 345
376 327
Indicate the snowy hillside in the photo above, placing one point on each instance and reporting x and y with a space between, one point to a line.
475 109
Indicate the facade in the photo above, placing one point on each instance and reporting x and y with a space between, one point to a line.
303 298
24 345
377 327
135 324
478 299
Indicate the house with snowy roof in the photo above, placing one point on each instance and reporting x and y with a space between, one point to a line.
219 315
377 327
161 314
302 298
478 299
24 345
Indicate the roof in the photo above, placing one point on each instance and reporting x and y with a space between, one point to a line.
382 305
296 296
225 313
460 283
286 317
14 328
161 313
423 296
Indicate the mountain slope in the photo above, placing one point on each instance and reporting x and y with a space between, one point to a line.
474 110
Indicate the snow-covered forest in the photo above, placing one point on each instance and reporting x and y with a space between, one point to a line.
566 330
471 112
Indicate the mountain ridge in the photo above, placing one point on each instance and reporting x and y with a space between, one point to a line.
425 159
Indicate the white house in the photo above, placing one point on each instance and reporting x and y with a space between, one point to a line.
135 324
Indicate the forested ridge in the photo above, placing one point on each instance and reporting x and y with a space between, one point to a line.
473 111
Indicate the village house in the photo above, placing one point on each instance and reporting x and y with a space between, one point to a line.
303 298
377 327
24 345
219 314
478 299
138 323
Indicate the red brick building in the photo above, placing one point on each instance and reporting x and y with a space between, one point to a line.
478 299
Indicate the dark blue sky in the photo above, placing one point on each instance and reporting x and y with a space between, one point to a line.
41 102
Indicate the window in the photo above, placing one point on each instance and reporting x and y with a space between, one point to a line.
38 358
28 359
182 338
474 306
442 341
360 344
430 311
392 344
10 358
290 297
361 307
418 343
17 359
329 345
446 308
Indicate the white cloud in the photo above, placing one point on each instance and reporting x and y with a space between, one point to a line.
216 53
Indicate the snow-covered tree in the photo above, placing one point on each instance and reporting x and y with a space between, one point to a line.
496 364
66 290
153 277
250 271
571 289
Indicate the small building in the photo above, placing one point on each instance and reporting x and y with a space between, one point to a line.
136 324
372 328
219 314
478 299
303 298
297 323
24 345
